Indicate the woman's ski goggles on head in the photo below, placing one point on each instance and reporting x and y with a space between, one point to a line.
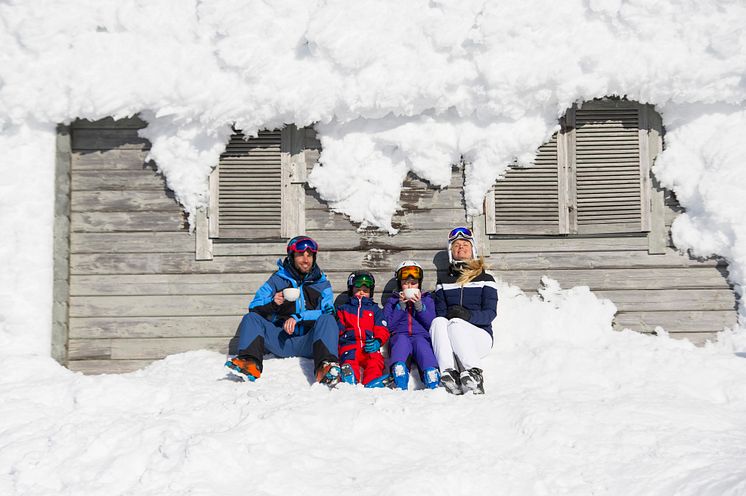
407 272
460 232
301 244
363 280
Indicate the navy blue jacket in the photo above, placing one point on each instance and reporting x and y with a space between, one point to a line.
479 296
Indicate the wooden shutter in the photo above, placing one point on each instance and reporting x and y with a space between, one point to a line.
249 188
527 199
608 169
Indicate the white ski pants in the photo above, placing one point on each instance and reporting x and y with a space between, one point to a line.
458 337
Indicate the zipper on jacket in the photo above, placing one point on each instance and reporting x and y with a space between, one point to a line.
410 309
359 308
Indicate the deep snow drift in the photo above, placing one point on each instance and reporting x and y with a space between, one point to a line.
572 407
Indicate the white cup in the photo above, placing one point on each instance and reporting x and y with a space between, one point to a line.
291 294
410 293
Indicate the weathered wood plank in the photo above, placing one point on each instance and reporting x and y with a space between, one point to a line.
676 321
611 279
597 260
424 219
96 180
107 366
570 244
107 139
129 221
346 240
88 349
130 349
153 327
158 306
123 201
411 199
138 349
171 263
130 242
160 284
109 160
671 299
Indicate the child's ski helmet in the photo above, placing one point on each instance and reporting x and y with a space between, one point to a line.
409 268
361 278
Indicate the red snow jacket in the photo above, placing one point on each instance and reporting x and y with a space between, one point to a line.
360 319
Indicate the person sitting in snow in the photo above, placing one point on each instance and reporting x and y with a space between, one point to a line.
292 314
466 305
409 313
362 332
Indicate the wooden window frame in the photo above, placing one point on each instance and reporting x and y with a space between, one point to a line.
651 197
293 172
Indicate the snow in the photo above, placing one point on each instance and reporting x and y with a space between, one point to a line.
391 88
572 407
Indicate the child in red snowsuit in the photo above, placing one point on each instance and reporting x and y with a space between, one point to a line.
362 332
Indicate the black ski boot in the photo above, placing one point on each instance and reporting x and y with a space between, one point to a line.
472 380
451 382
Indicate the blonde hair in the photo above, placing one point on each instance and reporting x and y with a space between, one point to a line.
472 269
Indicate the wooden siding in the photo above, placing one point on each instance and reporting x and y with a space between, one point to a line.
137 291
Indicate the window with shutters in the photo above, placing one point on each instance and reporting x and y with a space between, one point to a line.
256 191
592 177
246 188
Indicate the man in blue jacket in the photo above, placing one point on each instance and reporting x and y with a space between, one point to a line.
291 322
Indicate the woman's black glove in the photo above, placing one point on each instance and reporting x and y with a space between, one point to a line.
458 312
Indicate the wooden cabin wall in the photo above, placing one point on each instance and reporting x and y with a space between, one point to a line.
689 298
138 294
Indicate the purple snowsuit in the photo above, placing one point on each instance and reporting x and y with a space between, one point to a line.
410 335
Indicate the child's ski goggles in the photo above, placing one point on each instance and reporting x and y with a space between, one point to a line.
301 244
460 232
409 271
362 280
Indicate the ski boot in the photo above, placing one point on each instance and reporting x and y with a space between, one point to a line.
451 381
472 380
328 373
431 378
381 382
246 368
348 375
401 375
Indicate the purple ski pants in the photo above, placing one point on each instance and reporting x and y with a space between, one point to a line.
417 346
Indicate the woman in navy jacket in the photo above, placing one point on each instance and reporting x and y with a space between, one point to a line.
466 305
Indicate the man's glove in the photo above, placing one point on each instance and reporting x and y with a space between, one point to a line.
372 345
458 312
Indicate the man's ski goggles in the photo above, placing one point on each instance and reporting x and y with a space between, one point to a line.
363 280
460 232
407 272
302 244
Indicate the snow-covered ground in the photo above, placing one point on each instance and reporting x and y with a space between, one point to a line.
572 407
391 87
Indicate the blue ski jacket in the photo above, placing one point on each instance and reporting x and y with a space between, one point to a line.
316 296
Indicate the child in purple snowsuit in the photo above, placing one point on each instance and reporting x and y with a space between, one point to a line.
409 314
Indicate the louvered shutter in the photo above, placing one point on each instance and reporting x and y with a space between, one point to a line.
527 199
249 187
608 170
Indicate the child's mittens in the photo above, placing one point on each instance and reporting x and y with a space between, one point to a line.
372 345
